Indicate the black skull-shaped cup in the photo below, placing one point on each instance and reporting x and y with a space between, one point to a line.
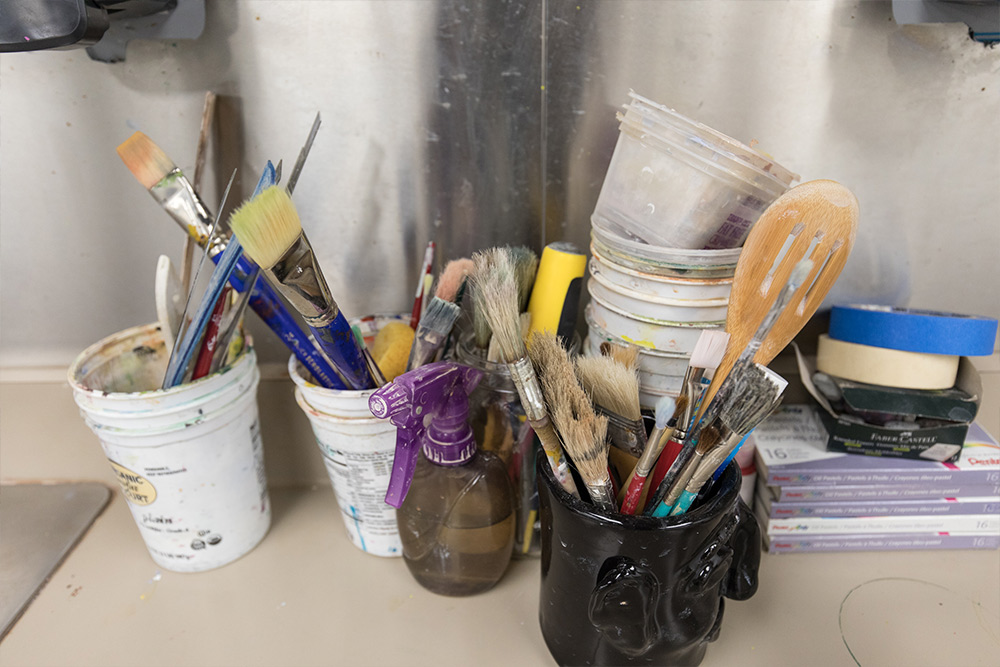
634 590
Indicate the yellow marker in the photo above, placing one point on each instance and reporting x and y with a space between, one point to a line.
556 294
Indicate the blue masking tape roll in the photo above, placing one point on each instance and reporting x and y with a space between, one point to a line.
923 331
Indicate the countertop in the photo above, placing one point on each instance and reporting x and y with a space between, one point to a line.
307 596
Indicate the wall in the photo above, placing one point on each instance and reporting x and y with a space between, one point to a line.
439 115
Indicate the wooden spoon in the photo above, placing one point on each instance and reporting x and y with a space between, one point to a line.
822 215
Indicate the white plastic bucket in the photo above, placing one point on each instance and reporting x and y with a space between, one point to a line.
358 451
189 459
708 311
674 337
657 286
612 242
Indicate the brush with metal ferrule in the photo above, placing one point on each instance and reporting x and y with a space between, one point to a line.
614 389
665 422
748 398
705 357
442 313
270 231
583 431
738 421
168 186
494 283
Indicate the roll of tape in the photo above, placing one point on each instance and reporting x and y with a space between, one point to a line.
885 367
922 331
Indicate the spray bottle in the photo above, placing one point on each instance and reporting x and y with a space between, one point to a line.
457 523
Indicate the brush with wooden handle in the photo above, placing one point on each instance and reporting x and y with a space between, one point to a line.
496 289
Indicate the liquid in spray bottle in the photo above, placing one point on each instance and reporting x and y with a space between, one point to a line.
457 523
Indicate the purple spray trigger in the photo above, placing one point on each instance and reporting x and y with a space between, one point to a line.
410 402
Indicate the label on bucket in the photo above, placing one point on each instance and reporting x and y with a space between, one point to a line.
360 479
136 488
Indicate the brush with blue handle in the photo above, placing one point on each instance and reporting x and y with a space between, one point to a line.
270 231
168 185
177 367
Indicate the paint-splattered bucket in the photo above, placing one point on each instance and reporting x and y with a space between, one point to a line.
357 450
189 459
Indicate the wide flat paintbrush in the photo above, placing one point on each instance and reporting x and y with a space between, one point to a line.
270 231
614 389
168 186
496 290
442 312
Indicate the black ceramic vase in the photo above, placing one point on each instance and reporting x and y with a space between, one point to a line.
634 590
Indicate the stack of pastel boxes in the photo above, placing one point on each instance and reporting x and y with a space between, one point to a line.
889 457
676 204
812 499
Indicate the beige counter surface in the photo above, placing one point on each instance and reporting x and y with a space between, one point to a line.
306 596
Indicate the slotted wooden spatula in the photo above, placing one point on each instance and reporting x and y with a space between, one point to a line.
819 220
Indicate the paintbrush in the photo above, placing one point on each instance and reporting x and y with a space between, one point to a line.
614 389
418 299
665 419
168 186
441 315
749 396
300 162
496 290
525 268
736 422
799 273
211 301
269 229
626 355
190 333
583 432
705 357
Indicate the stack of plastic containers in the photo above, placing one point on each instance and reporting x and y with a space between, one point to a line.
677 203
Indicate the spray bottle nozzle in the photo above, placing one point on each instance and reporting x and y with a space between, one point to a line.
429 407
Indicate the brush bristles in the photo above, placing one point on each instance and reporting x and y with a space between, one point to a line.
452 277
709 349
525 268
680 408
587 443
709 439
495 299
440 316
664 410
563 392
147 162
267 226
613 386
583 432
754 394
626 355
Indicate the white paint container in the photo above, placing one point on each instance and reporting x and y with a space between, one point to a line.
656 286
709 311
676 183
612 242
674 337
189 459
358 451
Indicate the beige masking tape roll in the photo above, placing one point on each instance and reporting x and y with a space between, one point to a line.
885 367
